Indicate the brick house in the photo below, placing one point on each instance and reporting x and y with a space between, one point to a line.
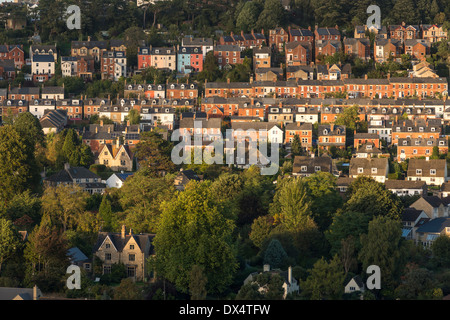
330 135
277 38
327 48
181 90
301 35
417 129
114 65
362 138
262 57
89 48
228 55
417 48
13 52
130 249
387 48
304 132
359 48
327 33
23 93
298 53
414 147
74 108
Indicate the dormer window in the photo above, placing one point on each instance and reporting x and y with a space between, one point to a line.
317 168
419 171
36 102
429 143
374 170
303 168
433 129
405 142
433 172
360 170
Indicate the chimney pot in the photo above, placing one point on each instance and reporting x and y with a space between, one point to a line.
123 232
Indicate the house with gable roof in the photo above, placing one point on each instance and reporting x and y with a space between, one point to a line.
130 249
116 156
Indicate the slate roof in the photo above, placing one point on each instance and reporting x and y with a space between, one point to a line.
438 164
434 225
119 243
71 174
410 214
325 163
404 184
381 164
43 58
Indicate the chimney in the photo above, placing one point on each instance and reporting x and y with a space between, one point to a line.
89 38
35 295
290 275
66 166
131 232
228 80
117 143
101 123
331 127
123 232
128 123
266 268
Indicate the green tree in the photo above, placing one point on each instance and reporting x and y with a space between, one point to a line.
153 154
109 218
349 118
18 169
296 146
197 284
9 241
29 127
371 197
275 256
291 204
325 280
272 16
261 229
46 257
63 203
246 20
417 284
140 198
441 251
382 246
193 231
127 290
346 224
134 116
325 199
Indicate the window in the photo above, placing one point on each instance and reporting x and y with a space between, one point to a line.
433 171
107 256
418 171
303 168
360 170
317 168
131 246
107 246
374 170
131 257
